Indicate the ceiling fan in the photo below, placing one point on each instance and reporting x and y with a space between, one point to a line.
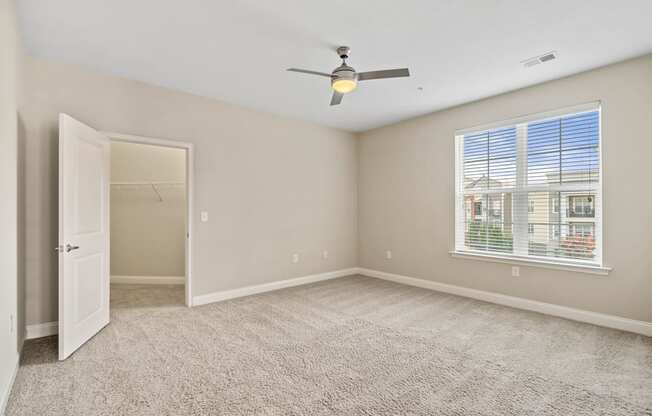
344 79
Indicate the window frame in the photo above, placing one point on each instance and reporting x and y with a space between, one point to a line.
459 250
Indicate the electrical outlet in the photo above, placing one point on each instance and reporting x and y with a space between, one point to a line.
295 258
324 255
516 271
388 254
204 216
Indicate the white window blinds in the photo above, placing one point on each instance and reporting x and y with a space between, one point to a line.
531 188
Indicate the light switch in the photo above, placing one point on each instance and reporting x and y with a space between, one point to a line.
204 216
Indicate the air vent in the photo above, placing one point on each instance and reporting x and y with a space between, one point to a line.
531 62
546 57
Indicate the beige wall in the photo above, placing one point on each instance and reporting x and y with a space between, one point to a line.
406 183
272 186
147 234
9 339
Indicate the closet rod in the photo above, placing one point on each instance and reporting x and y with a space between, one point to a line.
148 183
153 184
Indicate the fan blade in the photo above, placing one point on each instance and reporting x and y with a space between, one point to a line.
305 71
388 73
337 98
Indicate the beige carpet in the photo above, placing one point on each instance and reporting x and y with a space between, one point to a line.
350 346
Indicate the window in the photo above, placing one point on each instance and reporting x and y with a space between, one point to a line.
477 209
581 229
581 206
530 188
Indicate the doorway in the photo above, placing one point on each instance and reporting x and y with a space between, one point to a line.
150 217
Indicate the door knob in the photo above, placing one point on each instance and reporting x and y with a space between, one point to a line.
70 248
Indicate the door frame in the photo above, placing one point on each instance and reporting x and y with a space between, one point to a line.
188 147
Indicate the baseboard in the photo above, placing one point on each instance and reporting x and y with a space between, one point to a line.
149 280
609 321
5 395
268 287
41 330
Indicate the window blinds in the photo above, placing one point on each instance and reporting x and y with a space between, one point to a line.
531 188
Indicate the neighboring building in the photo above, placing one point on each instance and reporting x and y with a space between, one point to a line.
498 206
561 222
489 223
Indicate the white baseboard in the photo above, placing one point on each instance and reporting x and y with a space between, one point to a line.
41 330
268 287
609 321
5 395
149 280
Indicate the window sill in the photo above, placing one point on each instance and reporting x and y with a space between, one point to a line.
556 265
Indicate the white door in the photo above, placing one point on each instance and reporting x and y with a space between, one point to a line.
84 175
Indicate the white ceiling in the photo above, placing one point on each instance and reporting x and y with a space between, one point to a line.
237 51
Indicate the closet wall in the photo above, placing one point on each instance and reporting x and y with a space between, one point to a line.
147 210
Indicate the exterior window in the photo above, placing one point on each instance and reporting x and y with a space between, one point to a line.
477 209
581 229
531 188
581 206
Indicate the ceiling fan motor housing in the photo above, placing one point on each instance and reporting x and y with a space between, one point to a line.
344 72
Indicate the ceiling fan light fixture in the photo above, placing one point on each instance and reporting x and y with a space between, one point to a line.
344 85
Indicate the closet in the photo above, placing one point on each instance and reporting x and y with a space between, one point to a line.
148 214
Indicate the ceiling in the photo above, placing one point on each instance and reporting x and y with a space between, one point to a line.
237 51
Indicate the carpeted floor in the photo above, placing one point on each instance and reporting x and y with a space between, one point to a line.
350 346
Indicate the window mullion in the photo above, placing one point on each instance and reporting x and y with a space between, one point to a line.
520 198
